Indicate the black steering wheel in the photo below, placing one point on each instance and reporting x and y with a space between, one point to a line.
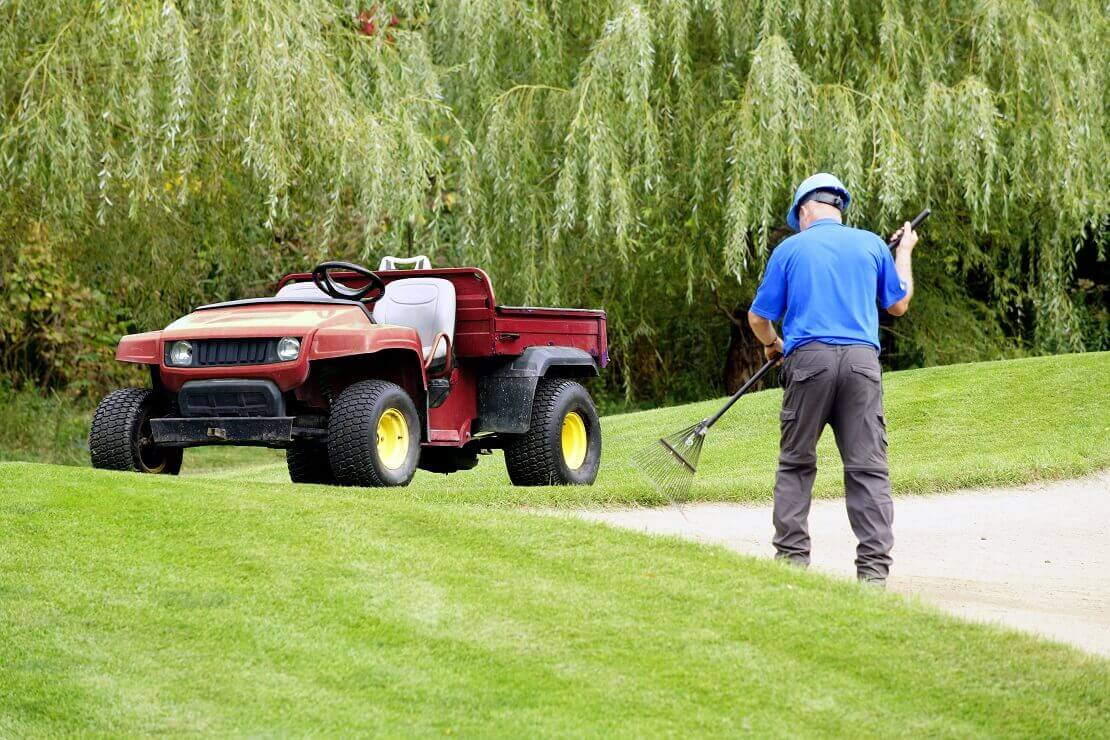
321 275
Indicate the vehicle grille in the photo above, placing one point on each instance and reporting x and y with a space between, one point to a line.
225 397
222 352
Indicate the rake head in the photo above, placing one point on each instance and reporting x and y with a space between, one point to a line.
670 463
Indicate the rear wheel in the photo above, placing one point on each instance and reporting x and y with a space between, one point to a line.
373 435
309 464
563 443
120 437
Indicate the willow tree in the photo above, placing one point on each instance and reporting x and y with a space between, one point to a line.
636 155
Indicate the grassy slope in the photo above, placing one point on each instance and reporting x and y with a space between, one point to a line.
991 423
139 604
43 427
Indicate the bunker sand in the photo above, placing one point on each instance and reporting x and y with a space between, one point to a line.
1035 558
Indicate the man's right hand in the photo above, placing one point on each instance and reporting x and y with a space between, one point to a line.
773 350
903 263
906 237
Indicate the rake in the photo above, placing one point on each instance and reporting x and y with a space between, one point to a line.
671 463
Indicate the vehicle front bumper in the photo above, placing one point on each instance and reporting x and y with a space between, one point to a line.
254 431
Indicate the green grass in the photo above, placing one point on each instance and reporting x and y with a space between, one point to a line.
229 601
43 426
135 604
982 424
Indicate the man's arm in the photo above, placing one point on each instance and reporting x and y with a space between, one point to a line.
765 332
903 264
770 300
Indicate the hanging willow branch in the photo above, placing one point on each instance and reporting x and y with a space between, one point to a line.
638 155
144 101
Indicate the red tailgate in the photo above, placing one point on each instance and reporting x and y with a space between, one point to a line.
517 328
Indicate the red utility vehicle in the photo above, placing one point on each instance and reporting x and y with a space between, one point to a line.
364 376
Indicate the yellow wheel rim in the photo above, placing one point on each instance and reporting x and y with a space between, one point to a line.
575 440
156 469
393 439
144 434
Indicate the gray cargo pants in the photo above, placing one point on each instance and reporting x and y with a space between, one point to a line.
839 385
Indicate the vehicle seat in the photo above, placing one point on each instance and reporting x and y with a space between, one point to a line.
306 291
425 304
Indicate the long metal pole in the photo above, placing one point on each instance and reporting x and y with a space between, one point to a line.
743 389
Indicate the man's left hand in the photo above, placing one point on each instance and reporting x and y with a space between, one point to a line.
773 350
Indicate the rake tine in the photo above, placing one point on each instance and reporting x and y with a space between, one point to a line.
673 470
678 456
654 473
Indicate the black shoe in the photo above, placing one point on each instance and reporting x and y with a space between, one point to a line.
790 560
873 582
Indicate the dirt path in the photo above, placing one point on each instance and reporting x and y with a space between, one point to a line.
1036 558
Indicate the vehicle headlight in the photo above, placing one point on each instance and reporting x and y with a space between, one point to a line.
181 353
289 348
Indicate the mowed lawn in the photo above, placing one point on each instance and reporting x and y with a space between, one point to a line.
958 426
135 604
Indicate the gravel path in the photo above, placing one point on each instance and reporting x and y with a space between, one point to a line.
1036 558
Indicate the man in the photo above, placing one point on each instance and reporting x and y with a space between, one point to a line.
824 283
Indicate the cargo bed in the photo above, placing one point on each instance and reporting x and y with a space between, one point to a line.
516 328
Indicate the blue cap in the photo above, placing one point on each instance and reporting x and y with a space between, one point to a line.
820 181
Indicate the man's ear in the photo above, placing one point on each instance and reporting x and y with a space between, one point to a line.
803 214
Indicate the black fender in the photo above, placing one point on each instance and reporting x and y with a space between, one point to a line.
505 393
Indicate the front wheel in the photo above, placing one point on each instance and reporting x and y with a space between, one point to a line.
563 443
309 464
120 437
373 435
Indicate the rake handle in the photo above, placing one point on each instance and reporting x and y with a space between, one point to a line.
913 226
743 389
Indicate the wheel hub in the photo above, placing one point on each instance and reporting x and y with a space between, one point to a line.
151 459
575 440
393 439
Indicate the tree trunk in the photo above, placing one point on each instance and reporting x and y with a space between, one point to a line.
745 354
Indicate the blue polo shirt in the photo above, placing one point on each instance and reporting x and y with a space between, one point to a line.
824 282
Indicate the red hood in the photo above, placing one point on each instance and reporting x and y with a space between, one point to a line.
326 331
265 320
